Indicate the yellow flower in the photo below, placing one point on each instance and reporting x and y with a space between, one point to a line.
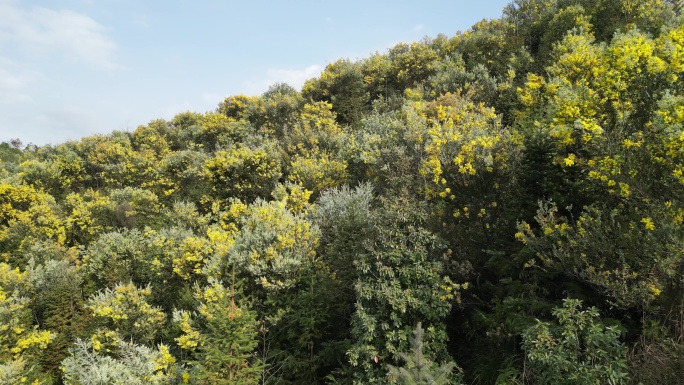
569 161
648 224
654 290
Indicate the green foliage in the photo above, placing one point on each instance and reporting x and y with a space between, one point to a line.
218 131
225 336
20 371
125 309
57 307
318 173
227 346
606 248
9 153
578 349
109 160
413 63
243 172
341 84
183 176
151 139
115 257
486 43
399 283
273 246
343 216
27 215
657 357
128 364
451 143
316 132
21 342
88 215
134 207
281 104
418 369
242 107
57 170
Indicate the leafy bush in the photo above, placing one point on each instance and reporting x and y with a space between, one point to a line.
577 349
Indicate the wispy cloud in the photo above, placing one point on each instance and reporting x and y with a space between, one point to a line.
418 28
14 81
70 33
295 78
10 81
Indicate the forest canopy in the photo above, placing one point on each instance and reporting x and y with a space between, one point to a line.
501 206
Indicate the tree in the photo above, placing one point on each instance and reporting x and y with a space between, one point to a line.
186 179
125 310
9 156
224 337
281 107
55 171
399 283
318 173
109 160
486 43
243 172
612 133
126 364
57 305
21 342
342 85
242 107
413 64
27 215
273 246
418 369
115 257
316 132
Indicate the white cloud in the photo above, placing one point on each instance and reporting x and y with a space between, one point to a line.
33 124
10 81
14 81
170 111
418 28
294 78
45 30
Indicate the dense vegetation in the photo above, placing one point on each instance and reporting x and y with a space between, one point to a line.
501 206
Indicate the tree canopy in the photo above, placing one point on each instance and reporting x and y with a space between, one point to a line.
501 206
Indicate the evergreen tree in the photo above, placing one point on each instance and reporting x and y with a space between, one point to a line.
227 344
419 370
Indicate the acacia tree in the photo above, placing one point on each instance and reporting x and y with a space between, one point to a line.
21 342
125 310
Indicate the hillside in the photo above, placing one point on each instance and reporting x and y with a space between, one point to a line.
517 190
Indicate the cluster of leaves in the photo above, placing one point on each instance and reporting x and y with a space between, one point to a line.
483 186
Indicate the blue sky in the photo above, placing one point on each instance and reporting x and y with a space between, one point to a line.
72 68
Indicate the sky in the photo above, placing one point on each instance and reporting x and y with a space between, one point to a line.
74 68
